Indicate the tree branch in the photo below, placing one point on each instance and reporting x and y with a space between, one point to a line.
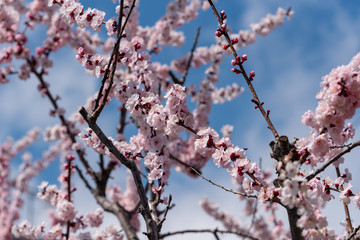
98 106
334 159
150 223
243 72
207 231
172 75
222 187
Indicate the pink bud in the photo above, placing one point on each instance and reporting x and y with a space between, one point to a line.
243 58
234 62
236 71
235 40
225 47
218 34
252 74
223 15
223 26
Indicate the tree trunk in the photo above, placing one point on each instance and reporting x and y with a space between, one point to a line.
293 217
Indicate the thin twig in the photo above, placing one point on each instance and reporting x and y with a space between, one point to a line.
256 204
98 107
243 72
354 233
191 56
206 231
165 213
122 123
222 187
215 234
188 65
68 181
346 209
183 163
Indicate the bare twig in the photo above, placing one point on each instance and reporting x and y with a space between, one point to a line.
165 213
87 184
183 163
172 75
122 123
207 231
222 187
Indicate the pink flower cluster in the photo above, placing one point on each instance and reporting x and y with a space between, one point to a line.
12 188
259 227
65 211
263 28
74 12
338 100
230 157
230 223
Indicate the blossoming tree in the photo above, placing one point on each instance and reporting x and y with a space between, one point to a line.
154 98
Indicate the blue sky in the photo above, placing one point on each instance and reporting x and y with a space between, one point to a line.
289 64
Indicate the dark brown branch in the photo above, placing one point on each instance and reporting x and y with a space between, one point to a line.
68 181
122 123
186 127
354 233
207 231
191 56
87 184
99 106
243 72
293 217
165 213
150 223
174 78
334 159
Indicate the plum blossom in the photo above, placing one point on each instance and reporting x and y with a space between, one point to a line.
157 117
205 144
66 210
95 217
346 194
111 232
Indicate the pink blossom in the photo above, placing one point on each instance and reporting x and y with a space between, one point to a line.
66 210
205 145
320 145
95 217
